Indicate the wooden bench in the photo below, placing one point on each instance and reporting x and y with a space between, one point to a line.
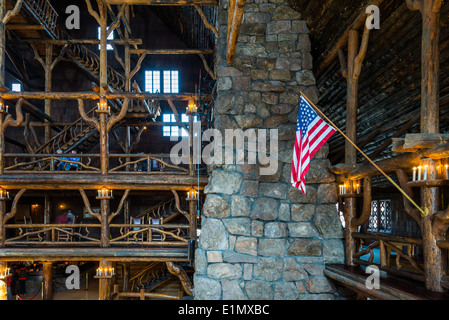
391 287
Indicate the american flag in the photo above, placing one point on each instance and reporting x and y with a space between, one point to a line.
311 133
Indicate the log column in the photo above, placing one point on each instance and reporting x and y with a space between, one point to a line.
430 101
104 289
2 76
104 217
350 151
48 87
2 42
47 278
2 222
433 261
104 144
3 286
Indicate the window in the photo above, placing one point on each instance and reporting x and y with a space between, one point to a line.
16 87
153 82
110 37
380 218
171 81
174 131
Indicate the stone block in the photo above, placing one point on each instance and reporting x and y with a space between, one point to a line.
327 221
216 207
257 228
232 291
293 271
296 196
284 12
285 291
302 230
272 247
213 235
250 188
258 290
302 212
240 206
268 269
327 193
284 212
265 209
305 247
246 245
206 288
234 257
333 251
318 285
277 27
238 226
225 271
224 182
275 230
214 256
273 190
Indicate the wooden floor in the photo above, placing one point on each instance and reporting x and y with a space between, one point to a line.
391 287
94 254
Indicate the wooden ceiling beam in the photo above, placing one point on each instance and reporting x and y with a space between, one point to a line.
171 51
165 2
332 54
24 27
86 95
235 18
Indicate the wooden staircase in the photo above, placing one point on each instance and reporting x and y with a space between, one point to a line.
165 209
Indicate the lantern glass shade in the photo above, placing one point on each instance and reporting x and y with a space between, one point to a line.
103 105
3 106
191 107
5 272
192 194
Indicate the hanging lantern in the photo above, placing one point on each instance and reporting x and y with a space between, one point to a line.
191 106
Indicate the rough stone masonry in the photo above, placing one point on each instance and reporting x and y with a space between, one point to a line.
260 237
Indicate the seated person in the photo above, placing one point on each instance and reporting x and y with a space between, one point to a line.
70 216
59 165
73 166
62 218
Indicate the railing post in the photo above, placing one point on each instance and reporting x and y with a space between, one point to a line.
2 224
104 289
47 278
105 231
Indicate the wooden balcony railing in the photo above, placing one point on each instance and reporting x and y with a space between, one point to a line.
49 235
90 163
387 244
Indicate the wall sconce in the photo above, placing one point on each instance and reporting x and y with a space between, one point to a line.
192 194
4 273
447 171
103 106
104 193
105 272
191 106
343 188
3 106
4 195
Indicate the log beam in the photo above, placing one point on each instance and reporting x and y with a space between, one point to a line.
47 281
39 95
165 2
235 18
332 54
171 51
104 289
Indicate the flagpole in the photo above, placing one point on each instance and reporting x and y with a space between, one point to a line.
424 212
